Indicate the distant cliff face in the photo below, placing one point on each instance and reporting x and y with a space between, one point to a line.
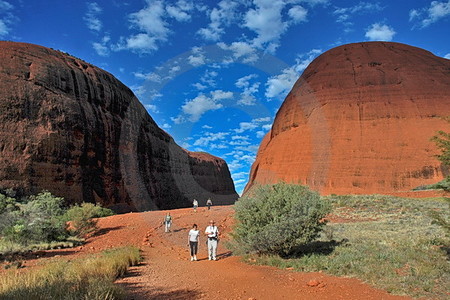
75 130
359 120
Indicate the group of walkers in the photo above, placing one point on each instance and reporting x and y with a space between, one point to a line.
211 233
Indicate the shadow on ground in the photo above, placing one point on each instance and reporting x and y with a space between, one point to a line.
106 230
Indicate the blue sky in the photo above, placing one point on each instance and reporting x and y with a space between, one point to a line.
214 73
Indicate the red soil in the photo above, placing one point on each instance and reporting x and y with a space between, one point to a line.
168 273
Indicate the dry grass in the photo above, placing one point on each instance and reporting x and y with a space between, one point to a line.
91 278
388 242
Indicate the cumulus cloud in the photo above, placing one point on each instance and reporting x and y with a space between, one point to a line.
6 19
447 56
247 96
298 14
180 11
427 16
197 58
252 125
101 47
241 51
91 17
380 32
210 137
221 16
278 86
345 14
201 104
152 25
266 21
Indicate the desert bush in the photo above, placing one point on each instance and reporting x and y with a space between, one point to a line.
278 219
42 219
391 243
82 216
39 219
87 278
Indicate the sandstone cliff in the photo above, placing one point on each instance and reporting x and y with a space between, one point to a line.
75 130
359 120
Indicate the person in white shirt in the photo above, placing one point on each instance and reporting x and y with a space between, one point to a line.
212 232
195 204
209 203
193 238
167 222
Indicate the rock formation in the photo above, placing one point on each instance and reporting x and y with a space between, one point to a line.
75 130
359 120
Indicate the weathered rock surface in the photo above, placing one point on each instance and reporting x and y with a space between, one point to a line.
359 120
75 130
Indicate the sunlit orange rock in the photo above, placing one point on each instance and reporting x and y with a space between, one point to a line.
359 120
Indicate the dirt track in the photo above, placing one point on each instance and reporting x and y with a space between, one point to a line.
168 273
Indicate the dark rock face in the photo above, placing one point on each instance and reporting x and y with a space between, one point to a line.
359 120
75 130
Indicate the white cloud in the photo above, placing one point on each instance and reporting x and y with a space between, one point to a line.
380 32
151 107
344 14
7 19
222 15
91 17
447 56
4 6
206 127
166 126
260 134
264 119
201 104
278 86
210 137
102 48
241 51
298 14
247 96
4 30
199 86
427 16
240 137
197 58
180 11
245 126
266 21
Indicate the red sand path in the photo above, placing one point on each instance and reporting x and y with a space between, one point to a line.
168 273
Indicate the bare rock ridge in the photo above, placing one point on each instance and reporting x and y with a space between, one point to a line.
75 130
359 120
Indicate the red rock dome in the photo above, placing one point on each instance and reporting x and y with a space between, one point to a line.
75 130
359 120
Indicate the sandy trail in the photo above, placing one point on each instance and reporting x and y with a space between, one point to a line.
168 273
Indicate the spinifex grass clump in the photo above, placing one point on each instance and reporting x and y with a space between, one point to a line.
278 219
87 278
389 242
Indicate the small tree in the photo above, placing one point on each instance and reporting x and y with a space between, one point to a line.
277 219
82 220
442 140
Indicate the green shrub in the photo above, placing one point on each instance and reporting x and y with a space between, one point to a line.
82 216
40 219
278 219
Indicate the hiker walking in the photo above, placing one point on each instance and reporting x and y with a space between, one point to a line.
167 222
212 232
193 239
209 203
195 204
